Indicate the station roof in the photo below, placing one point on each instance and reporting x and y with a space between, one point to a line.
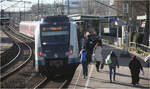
81 17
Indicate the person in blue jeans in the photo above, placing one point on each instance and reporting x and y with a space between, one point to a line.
112 66
83 61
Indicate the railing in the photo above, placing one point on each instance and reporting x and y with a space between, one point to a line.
139 48
109 39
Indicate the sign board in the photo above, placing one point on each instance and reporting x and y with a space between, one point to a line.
106 30
141 17
111 2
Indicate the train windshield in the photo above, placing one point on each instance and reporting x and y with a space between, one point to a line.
55 35
55 41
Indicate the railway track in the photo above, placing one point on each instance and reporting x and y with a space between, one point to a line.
26 77
13 59
11 67
47 82
58 82
13 29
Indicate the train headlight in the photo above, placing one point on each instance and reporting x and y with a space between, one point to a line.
71 50
42 54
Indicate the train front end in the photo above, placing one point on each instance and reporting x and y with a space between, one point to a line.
54 47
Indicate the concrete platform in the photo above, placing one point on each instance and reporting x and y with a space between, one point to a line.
5 42
100 80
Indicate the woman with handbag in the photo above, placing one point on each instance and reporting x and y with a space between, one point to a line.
98 56
112 62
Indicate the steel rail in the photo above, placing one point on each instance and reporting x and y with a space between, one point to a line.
63 84
2 77
13 29
6 65
41 82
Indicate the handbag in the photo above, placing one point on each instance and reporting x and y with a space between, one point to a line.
93 58
108 59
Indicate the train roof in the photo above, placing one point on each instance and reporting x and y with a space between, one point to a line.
81 17
59 18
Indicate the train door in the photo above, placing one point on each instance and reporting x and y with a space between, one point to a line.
74 44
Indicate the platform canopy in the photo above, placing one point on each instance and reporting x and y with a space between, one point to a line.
80 17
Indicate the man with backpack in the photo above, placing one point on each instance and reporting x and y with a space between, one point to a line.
83 61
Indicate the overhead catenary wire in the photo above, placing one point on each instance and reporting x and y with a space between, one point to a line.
108 6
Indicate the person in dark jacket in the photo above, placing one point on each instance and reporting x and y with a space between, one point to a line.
89 47
112 66
83 61
135 67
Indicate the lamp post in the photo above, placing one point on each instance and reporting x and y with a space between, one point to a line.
117 24
38 11
24 10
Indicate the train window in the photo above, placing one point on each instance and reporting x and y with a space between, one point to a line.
55 37
55 33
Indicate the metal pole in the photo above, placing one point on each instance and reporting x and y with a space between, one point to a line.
55 7
130 21
24 10
42 14
100 35
1 11
20 14
38 11
117 36
62 7
68 7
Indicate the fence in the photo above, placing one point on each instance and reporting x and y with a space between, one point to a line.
140 48
109 39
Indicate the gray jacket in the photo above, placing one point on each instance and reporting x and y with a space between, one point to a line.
98 54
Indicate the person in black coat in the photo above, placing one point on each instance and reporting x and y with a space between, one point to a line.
135 67
90 43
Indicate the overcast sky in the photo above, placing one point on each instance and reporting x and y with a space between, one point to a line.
13 5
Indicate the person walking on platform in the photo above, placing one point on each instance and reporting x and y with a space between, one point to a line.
83 60
112 66
135 67
98 56
89 47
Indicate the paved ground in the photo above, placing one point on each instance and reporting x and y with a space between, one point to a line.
5 42
100 80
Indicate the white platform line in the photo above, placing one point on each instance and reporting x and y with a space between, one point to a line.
87 82
77 79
